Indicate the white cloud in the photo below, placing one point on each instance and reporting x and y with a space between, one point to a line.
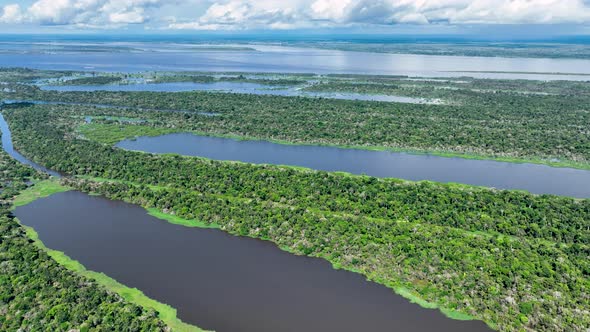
523 11
287 14
306 13
242 14
83 13
11 14
332 10
127 17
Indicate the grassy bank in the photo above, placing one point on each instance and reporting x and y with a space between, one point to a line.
39 190
179 221
112 134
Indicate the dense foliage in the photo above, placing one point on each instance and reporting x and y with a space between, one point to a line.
510 258
38 294
484 118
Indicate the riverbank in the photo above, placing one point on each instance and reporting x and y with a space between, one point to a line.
399 287
165 312
40 189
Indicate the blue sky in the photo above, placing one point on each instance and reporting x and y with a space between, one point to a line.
536 17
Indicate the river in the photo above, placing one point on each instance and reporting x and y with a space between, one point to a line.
219 281
271 58
538 179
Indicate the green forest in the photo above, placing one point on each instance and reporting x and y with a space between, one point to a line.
512 259
515 260
534 121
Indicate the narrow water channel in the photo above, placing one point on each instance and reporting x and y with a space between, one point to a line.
219 281
9 148
537 179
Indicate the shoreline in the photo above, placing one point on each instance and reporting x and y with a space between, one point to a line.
166 312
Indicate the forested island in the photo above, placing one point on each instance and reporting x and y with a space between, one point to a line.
515 260
532 121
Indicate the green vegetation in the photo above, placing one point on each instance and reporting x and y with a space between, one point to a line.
43 289
26 75
515 260
543 122
92 80
512 259
39 190
178 220
38 293
113 133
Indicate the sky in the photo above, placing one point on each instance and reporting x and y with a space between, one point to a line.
540 17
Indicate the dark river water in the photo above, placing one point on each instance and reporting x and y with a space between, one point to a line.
219 281
538 179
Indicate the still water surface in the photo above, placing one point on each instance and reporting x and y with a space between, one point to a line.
219 281
268 58
237 87
538 179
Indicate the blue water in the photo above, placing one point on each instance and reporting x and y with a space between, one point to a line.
236 87
160 56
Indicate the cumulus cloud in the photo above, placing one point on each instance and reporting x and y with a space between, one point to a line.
273 14
306 13
287 14
11 14
93 13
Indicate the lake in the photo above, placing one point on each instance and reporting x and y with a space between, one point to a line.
136 57
219 281
236 87
538 179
